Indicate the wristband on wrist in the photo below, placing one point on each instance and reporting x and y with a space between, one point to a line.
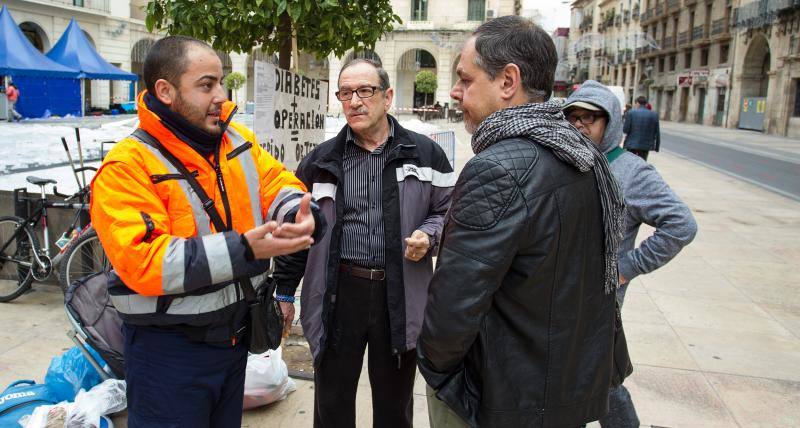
284 298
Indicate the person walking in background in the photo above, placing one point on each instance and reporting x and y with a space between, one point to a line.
519 326
12 95
642 133
594 110
385 191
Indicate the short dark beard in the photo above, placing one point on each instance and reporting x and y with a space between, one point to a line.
184 110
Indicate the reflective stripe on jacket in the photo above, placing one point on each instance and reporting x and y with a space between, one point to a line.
176 268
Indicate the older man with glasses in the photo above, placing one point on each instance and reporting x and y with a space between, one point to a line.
386 190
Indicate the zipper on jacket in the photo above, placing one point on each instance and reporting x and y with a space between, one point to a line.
221 185
158 178
218 170
239 150
399 356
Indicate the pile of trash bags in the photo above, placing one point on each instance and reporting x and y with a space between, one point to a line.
86 411
75 396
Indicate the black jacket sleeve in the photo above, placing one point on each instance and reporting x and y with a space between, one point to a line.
289 269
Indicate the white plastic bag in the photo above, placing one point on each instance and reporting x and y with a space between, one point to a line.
105 398
266 379
48 416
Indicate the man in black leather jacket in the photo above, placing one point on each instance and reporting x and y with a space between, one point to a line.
518 329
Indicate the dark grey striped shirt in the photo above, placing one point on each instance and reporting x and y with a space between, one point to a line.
362 223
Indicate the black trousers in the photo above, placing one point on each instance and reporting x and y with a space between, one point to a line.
361 318
641 153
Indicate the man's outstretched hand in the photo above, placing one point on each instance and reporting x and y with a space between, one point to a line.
272 240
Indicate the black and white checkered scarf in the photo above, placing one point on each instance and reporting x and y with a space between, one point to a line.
545 124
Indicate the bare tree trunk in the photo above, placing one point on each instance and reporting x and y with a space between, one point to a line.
285 33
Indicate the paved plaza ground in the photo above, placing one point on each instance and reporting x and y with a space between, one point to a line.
714 335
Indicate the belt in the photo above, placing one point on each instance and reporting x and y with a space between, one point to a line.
360 272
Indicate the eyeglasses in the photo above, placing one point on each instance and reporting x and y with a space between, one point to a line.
586 118
362 92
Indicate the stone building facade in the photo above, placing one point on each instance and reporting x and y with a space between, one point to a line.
430 38
687 72
766 65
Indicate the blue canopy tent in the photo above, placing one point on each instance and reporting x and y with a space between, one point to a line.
74 51
43 84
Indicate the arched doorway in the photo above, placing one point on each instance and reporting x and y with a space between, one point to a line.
256 55
138 55
35 35
363 53
411 63
89 39
755 84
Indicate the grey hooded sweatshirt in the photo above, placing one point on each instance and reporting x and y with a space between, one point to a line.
648 198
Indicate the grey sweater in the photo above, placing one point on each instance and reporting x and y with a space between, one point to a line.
648 198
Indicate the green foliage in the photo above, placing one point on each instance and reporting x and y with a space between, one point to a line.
234 80
425 82
322 26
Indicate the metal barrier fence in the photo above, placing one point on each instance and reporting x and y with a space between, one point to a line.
447 141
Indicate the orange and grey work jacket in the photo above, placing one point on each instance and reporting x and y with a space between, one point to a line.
175 268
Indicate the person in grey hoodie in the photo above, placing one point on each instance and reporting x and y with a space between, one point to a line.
595 111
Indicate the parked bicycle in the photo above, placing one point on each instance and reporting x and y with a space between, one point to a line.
23 259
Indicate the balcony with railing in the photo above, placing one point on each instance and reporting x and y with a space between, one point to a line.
586 24
673 5
699 33
683 38
718 27
668 43
95 5
794 46
628 55
762 12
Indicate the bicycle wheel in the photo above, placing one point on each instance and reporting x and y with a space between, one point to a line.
16 258
84 257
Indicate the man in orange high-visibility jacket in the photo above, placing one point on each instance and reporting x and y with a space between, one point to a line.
179 292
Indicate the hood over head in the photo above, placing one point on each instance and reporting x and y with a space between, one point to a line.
597 94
